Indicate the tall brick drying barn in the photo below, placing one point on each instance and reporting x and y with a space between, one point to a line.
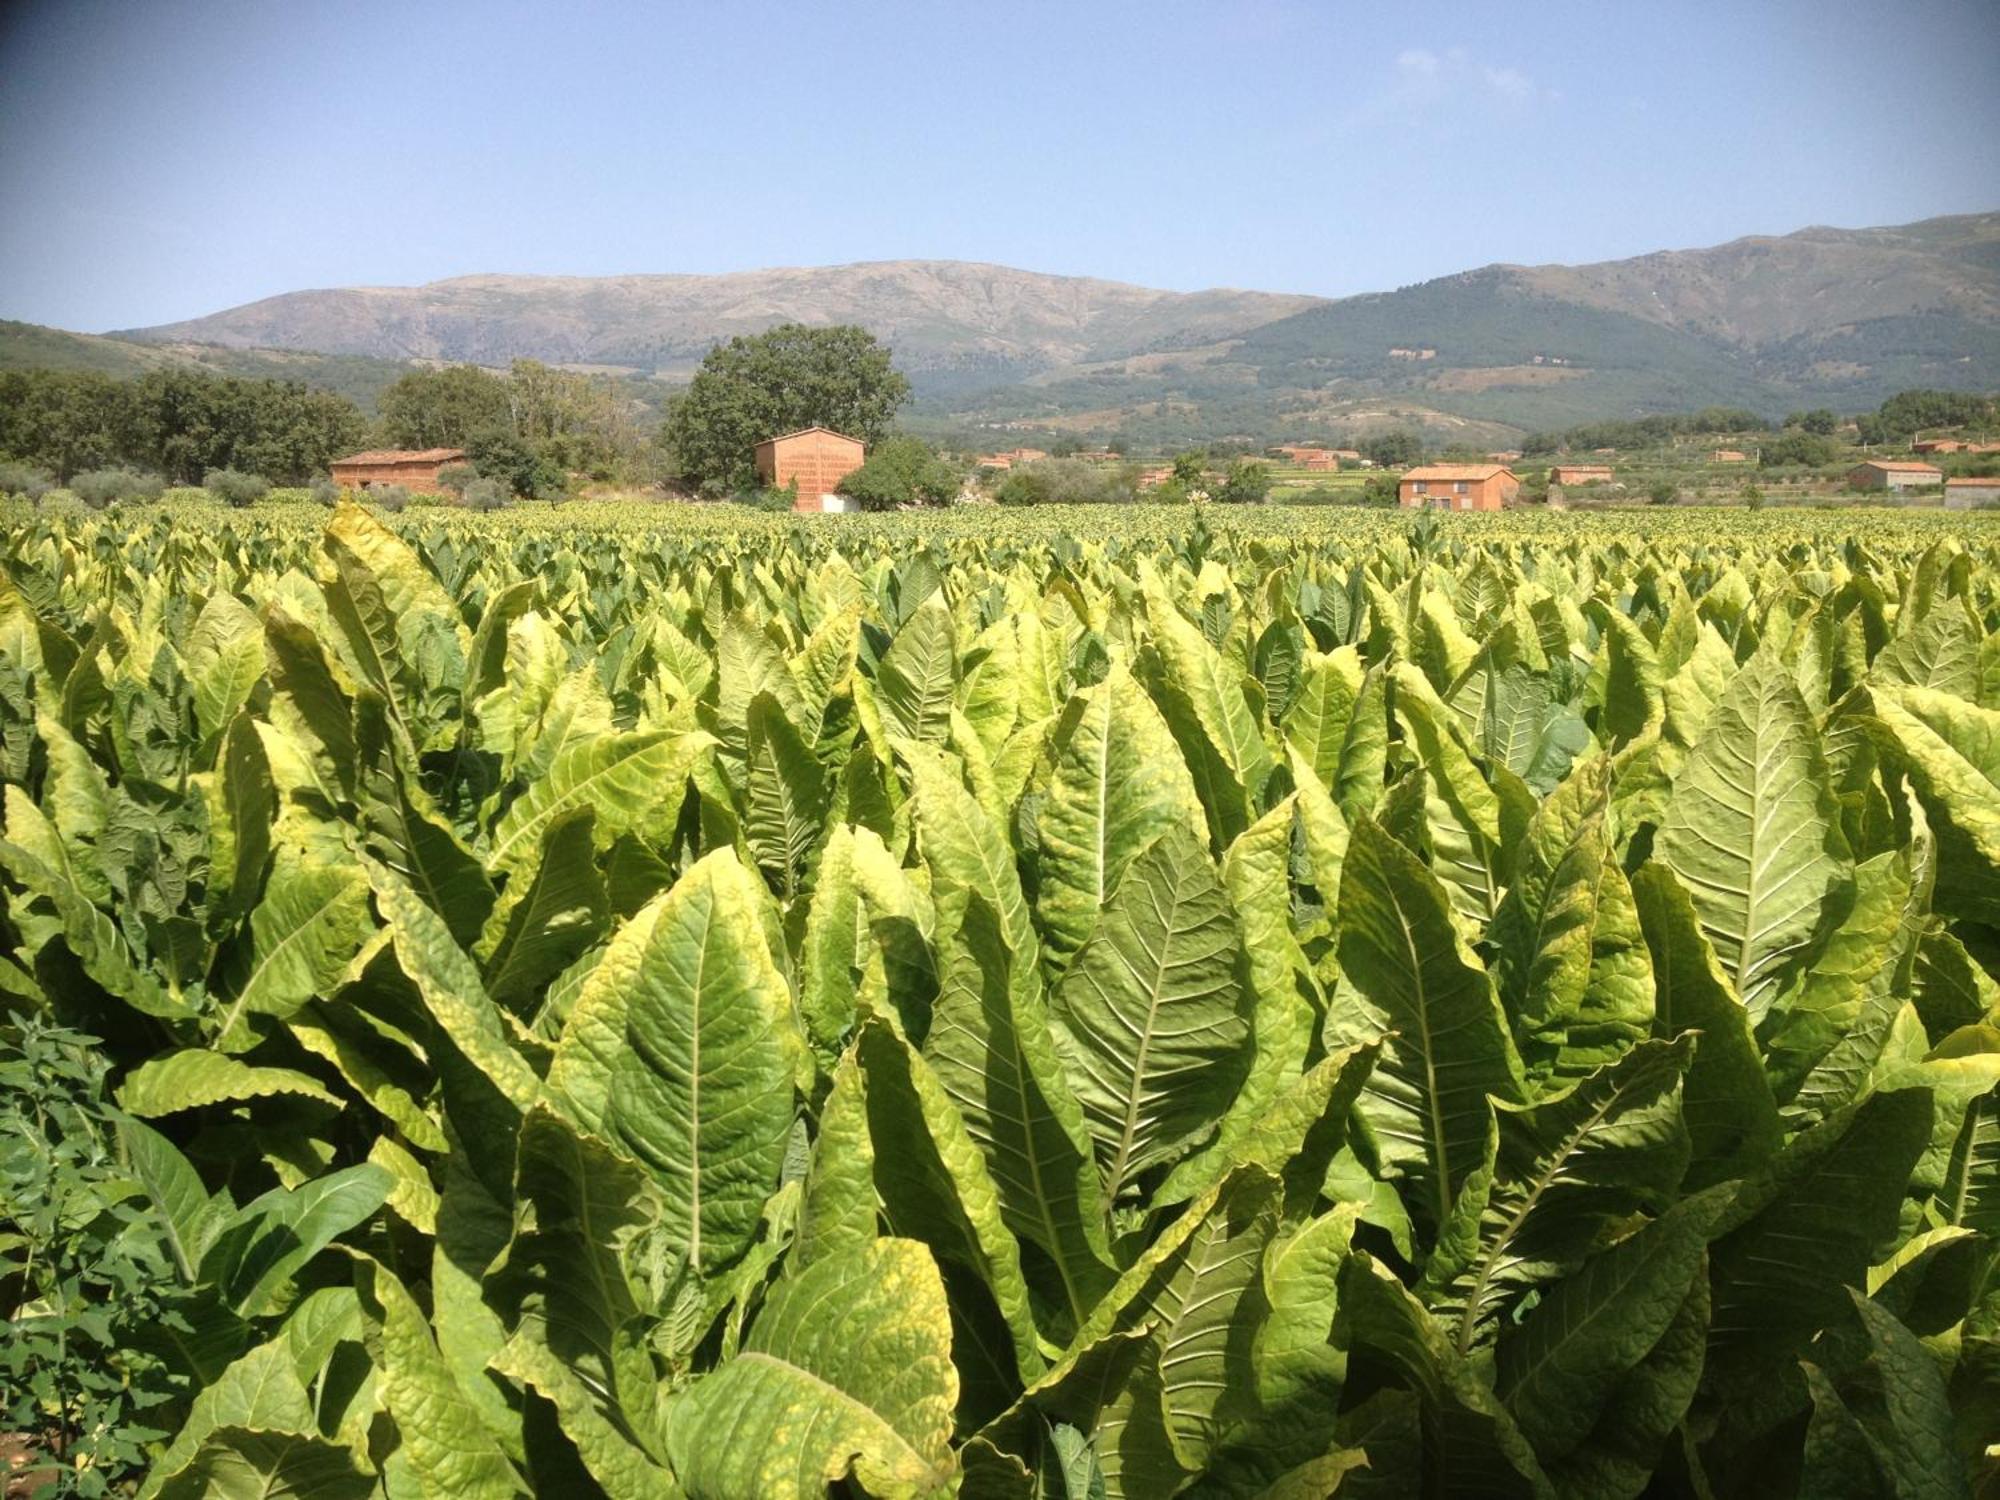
413 468
817 458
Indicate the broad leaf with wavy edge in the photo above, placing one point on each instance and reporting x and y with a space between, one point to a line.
1154 1012
847 1371
703 1096
1449 1051
1118 783
1752 830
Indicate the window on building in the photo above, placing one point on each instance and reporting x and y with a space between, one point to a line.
1420 487
1461 488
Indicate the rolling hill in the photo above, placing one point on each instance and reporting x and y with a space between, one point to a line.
1820 317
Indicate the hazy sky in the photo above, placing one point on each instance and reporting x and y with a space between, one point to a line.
165 158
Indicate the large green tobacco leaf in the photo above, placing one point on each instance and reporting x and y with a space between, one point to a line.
225 662
622 778
1214 690
252 1261
1752 832
847 1370
1570 1167
624 1469
539 927
190 1079
703 1096
1449 1052
919 674
452 991
933 1185
787 796
1952 751
1471 1444
1806 1229
1205 1303
312 921
449 1450
39 859
991 1042
1118 783
1558 1368
1572 966
252 1435
1153 1012
1335 724
838 1208
189 1214
1899 1436
1732 1120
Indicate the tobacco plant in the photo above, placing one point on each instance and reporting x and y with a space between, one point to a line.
741 1008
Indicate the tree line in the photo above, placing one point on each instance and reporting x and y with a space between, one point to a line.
1897 420
529 428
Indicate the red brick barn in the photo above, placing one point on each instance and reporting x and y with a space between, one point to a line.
815 459
416 469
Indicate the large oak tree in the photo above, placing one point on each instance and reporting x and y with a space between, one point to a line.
762 385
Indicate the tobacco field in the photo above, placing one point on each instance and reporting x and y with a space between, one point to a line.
1009 1005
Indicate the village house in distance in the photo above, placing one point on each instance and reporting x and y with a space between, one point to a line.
815 460
1458 486
1893 474
415 469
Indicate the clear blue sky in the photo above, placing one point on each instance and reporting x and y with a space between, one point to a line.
165 158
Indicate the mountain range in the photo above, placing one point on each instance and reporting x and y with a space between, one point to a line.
1833 317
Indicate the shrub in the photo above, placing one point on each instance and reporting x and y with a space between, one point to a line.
1381 491
233 487
770 500
100 487
389 497
902 471
24 479
325 491
457 478
483 494
1068 481
1662 492
1248 482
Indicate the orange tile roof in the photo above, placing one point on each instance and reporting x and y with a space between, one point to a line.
403 456
1457 471
1898 466
1972 481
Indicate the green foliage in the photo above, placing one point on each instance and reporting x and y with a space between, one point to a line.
511 461
180 422
102 487
1821 421
679 1002
483 495
902 472
234 488
1067 481
1910 412
25 480
443 408
456 477
1393 450
1662 492
763 385
1247 482
1797 447
85 1272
